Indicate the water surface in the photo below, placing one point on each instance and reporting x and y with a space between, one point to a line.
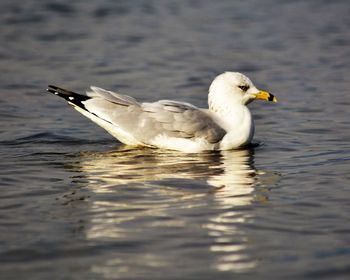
76 204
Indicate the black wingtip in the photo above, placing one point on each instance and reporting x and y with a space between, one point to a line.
51 89
60 91
70 96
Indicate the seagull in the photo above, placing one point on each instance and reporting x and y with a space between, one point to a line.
226 124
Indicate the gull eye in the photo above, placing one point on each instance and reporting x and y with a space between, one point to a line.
244 87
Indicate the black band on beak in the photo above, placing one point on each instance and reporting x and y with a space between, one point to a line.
271 97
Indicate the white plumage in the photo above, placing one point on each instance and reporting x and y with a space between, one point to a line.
226 124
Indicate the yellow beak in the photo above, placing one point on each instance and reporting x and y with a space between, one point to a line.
264 95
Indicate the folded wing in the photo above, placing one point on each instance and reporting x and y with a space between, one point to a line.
183 120
139 123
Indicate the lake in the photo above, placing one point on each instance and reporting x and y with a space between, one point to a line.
77 204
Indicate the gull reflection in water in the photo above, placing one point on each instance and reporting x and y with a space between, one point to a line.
156 194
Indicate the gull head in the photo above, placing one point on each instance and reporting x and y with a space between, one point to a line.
232 88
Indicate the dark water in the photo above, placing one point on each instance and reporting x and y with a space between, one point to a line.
75 204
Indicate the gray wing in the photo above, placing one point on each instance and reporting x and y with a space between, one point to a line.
179 119
147 120
112 96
